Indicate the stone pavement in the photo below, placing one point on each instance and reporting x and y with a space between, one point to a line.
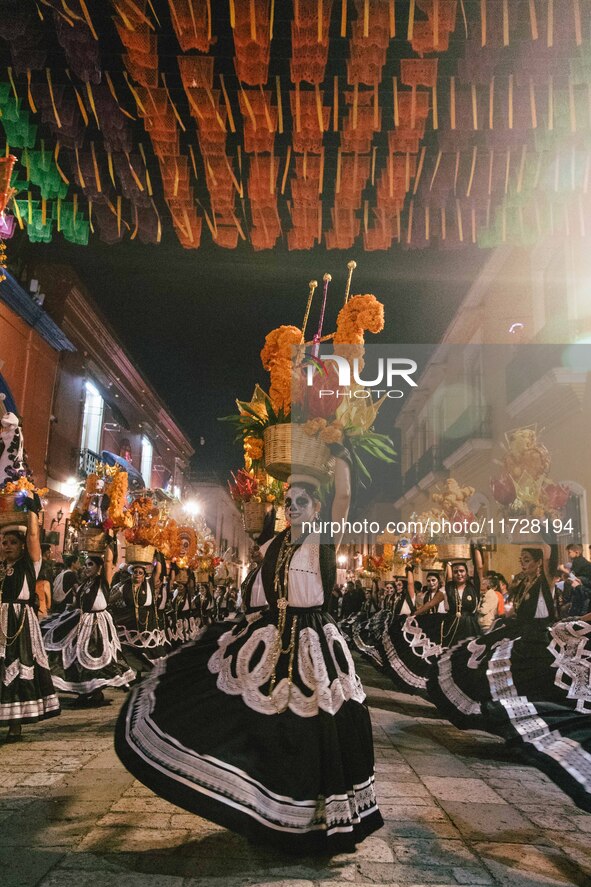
459 807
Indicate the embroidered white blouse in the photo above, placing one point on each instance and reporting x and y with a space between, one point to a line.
304 582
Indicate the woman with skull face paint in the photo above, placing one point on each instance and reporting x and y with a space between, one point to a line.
82 643
406 644
27 693
132 603
264 728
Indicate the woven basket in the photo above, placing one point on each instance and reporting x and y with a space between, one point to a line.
253 516
92 540
454 551
10 515
289 450
139 554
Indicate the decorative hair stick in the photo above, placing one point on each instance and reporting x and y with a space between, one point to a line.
327 278
351 266
313 284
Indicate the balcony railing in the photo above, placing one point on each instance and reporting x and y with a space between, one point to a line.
410 478
473 423
429 461
87 462
530 364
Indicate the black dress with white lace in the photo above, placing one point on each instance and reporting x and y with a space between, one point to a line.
27 693
265 734
529 681
83 648
139 624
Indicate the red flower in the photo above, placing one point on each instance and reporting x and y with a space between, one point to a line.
503 489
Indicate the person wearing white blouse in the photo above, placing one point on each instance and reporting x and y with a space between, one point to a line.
264 729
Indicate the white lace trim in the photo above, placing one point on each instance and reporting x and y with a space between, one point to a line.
420 644
522 714
571 649
399 667
145 639
83 687
450 689
17 670
311 668
234 787
74 646
368 649
32 708
37 648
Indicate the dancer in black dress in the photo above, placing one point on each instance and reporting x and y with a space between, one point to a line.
82 644
265 730
409 640
133 605
529 681
27 693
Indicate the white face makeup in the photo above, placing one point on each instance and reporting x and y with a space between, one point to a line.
299 506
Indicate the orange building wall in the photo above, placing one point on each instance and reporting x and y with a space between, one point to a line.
29 366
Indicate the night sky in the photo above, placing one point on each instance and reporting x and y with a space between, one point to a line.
196 320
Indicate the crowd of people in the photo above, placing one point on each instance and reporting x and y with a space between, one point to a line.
82 625
510 657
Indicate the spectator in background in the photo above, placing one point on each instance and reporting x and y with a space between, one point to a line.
496 581
488 604
577 585
352 599
336 602
65 583
48 564
579 565
43 595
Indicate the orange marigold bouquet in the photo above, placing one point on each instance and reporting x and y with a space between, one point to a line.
145 515
291 399
102 502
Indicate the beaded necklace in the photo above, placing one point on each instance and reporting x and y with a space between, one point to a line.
136 605
281 589
7 570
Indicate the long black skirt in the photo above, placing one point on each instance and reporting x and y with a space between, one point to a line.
27 693
143 639
530 684
366 638
288 761
84 652
410 645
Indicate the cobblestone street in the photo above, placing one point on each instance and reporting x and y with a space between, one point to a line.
460 808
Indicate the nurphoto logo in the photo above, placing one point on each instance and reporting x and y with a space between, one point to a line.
388 369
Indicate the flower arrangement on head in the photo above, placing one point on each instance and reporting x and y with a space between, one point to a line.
452 501
414 552
524 486
377 565
298 376
167 537
246 486
193 545
145 529
17 488
102 502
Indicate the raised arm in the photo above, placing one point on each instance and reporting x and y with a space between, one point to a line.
33 540
108 565
549 562
342 496
478 567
